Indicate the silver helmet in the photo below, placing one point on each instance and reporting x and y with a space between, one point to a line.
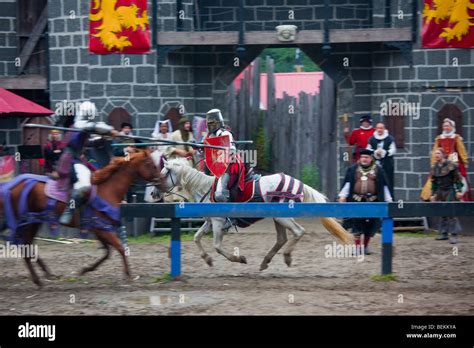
87 112
214 120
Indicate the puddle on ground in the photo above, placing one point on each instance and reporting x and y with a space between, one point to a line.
169 299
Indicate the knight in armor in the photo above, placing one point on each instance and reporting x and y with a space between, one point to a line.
365 181
233 178
72 164
446 185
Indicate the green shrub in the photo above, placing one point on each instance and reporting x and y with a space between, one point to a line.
310 176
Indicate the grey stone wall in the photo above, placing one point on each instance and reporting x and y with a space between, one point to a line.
8 38
10 132
129 81
267 14
424 83
197 77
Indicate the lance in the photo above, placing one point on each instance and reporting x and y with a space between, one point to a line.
238 142
166 142
155 142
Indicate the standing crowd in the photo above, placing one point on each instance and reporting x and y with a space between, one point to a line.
371 177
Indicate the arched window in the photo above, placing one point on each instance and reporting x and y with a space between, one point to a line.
118 116
173 115
450 111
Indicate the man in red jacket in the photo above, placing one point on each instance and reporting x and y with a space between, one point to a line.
360 136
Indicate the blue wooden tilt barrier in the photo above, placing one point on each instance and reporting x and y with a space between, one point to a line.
385 211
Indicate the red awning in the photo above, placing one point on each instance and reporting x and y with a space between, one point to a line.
12 104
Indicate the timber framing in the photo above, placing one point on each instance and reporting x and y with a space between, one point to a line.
198 38
24 82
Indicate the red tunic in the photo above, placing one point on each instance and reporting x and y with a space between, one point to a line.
360 138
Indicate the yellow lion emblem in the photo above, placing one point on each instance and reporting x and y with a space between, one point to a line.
456 11
114 21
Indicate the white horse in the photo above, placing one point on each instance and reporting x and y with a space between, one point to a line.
198 184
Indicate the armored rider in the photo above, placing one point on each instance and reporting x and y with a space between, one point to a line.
234 175
72 163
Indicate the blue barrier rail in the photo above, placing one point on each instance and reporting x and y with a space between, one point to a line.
385 211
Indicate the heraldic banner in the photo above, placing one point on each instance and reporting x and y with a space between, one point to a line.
119 26
448 24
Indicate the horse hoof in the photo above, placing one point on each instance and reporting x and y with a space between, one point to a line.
53 277
209 262
38 283
288 260
83 271
243 259
263 266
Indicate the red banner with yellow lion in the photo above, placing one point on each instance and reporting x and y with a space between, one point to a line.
119 26
448 23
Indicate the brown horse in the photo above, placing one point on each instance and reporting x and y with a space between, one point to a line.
113 182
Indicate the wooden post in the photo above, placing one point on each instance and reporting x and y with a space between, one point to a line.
270 120
387 245
255 98
175 248
247 116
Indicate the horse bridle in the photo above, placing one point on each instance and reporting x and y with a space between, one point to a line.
169 193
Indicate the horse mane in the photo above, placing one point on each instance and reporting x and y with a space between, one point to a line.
198 178
101 175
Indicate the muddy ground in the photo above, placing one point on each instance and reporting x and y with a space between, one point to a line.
429 280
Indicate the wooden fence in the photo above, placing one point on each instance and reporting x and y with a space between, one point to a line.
299 133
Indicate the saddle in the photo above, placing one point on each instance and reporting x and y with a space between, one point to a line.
57 189
237 195
54 192
251 193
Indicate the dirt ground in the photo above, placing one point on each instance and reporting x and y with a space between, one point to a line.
429 280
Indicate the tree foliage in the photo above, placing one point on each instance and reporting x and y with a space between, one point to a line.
285 60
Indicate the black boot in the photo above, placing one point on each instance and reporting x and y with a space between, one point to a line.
453 239
443 229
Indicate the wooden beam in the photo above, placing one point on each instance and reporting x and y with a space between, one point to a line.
24 82
197 38
33 39
370 35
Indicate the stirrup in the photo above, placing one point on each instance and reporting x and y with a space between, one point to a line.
228 225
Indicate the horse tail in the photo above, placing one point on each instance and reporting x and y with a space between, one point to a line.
312 195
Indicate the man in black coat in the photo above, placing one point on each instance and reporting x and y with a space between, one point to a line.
365 181
383 145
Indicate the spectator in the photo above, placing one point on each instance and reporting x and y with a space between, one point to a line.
125 129
52 150
184 133
365 181
446 185
453 146
360 136
163 131
383 145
